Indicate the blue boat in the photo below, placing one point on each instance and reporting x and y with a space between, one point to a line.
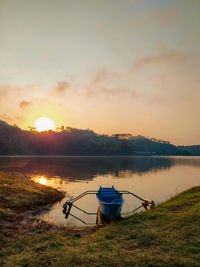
110 202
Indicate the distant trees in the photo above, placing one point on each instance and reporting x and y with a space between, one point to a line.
72 141
123 136
159 141
32 128
194 150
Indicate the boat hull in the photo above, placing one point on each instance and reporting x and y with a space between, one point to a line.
110 202
111 211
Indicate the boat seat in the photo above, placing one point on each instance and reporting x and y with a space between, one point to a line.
108 197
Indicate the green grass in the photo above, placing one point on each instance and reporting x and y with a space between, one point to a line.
18 194
167 236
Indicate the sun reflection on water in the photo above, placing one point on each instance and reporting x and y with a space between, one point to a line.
55 182
42 180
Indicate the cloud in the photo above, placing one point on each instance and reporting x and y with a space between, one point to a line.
10 119
172 56
163 17
99 82
154 99
61 87
118 92
6 90
100 26
103 82
99 76
24 104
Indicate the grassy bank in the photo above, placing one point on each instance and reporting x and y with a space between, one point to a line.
167 236
19 194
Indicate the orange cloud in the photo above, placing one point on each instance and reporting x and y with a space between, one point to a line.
105 83
5 90
61 87
24 104
172 56
156 99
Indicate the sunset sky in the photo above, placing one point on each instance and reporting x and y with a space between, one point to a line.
113 66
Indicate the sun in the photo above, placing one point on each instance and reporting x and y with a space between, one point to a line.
44 124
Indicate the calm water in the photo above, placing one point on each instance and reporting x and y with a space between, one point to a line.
157 178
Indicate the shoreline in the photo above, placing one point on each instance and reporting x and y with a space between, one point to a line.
166 235
26 215
16 202
93 156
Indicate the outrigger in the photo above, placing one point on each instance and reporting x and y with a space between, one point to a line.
110 204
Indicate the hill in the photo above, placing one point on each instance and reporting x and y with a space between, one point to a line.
193 150
72 141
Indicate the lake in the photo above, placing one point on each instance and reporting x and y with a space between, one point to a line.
156 178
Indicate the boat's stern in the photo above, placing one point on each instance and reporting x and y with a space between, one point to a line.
110 202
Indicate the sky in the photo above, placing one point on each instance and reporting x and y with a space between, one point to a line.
113 66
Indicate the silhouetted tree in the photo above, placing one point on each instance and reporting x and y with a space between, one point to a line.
71 141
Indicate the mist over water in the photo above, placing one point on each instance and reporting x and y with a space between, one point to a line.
157 178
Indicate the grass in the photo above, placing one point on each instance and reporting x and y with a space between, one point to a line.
167 236
18 194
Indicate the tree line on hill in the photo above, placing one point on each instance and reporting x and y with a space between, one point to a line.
72 141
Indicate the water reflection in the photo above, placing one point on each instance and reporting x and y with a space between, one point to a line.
55 182
157 178
86 168
42 180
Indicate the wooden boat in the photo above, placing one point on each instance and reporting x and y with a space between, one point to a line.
110 202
